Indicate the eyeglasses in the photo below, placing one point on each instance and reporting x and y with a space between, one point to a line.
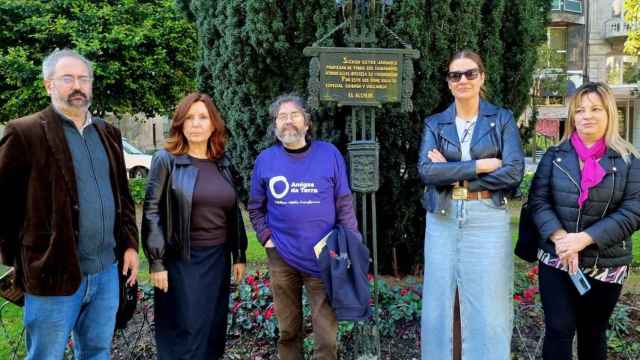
70 80
455 76
295 116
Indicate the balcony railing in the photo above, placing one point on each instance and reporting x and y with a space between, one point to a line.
615 28
572 6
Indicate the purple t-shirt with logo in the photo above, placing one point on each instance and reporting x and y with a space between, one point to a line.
300 192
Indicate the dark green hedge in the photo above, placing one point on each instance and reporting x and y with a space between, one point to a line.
251 51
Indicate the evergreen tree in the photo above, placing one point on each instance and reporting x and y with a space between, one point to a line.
492 13
523 30
251 51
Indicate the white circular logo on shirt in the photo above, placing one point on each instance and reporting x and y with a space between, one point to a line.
272 186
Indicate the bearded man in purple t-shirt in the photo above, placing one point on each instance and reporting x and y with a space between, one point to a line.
299 193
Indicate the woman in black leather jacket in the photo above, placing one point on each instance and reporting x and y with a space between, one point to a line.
191 230
585 202
470 160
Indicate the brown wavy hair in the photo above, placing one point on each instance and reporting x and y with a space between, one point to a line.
177 143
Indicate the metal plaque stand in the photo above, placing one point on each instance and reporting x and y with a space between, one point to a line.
377 76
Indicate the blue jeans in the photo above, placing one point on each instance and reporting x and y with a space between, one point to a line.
468 248
89 314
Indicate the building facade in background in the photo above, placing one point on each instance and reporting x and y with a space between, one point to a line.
585 43
146 133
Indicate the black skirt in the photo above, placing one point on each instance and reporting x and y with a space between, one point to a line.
191 318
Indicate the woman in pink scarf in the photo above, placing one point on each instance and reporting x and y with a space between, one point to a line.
585 202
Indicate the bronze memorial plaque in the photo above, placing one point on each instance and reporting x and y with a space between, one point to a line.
359 77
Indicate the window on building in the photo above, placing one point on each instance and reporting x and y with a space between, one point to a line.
574 6
622 69
626 119
621 122
575 47
558 38
616 8
550 85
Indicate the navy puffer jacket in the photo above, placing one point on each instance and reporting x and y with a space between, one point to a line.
610 215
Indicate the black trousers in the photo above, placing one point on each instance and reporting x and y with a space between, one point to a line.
566 312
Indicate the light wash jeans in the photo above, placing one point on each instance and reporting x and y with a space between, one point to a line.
90 313
468 247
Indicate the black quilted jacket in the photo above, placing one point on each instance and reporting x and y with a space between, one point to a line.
610 215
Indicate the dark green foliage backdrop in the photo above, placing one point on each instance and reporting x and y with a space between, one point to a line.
251 51
144 52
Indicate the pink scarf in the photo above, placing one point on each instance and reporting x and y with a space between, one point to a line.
592 172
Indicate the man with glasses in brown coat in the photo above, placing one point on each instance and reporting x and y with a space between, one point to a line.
67 220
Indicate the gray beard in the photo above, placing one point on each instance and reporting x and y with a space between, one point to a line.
290 137
65 105
83 106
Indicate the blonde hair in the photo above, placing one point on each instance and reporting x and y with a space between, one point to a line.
612 136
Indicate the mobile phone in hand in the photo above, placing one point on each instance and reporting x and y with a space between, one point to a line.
580 282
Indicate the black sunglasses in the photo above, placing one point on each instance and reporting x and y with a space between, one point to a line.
455 76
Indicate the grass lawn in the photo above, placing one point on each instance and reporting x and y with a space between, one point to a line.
255 251
635 239
10 329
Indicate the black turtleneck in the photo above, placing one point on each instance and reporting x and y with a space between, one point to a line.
298 151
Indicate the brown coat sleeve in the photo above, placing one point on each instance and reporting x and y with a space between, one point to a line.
14 175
